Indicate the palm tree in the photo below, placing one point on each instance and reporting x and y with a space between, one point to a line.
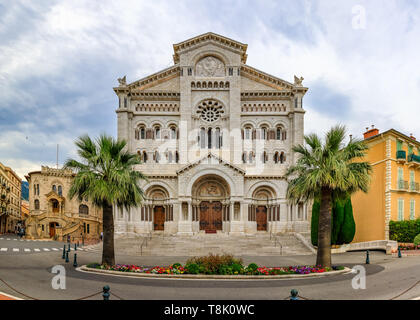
327 171
106 177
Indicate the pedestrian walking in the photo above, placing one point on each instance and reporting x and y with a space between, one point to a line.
102 235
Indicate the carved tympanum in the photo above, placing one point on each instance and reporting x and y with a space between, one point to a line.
210 67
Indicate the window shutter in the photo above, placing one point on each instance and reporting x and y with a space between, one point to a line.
412 209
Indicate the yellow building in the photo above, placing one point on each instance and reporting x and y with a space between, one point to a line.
10 197
394 192
53 215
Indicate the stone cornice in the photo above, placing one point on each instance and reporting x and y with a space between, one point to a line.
210 37
265 78
150 81
265 95
210 155
155 95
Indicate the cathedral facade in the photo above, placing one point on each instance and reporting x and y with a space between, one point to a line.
215 137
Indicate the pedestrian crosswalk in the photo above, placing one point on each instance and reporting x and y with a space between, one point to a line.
36 249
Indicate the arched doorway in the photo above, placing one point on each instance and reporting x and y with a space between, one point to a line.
262 207
210 195
159 218
158 209
53 225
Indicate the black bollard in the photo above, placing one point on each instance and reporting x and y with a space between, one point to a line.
67 256
294 294
68 248
75 260
367 257
399 252
64 252
75 248
106 293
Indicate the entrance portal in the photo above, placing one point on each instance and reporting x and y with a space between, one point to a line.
159 218
261 217
52 229
210 215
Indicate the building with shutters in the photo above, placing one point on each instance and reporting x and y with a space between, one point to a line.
394 192
215 137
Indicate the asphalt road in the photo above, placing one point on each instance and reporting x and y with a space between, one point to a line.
14 245
30 273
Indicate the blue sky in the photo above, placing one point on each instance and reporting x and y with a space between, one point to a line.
60 59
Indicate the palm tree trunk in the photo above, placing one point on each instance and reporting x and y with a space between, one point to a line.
108 255
324 230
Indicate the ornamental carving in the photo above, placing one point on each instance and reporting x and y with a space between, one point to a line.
210 67
210 190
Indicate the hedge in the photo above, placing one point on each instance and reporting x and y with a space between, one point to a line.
404 231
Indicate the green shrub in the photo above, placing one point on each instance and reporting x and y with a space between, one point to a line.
252 267
192 268
93 265
210 264
417 240
176 265
337 221
237 268
404 231
348 228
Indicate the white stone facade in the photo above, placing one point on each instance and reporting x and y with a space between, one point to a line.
215 136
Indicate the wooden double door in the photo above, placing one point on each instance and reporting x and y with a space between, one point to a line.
261 217
211 215
159 218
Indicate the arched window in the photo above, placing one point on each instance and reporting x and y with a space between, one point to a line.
157 132
218 136
278 133
156 157
54 188
203 138
142 133
83 209
264 157
276 157
176 157
264 135
209 136
173 132
36 204
248 132
144 156
282 157
251 157
244 157
60 191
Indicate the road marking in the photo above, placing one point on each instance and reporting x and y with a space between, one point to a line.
3 249
15 250
9 296
27 250
45 249
55 249
37 250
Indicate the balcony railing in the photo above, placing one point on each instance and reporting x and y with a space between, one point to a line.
414 186
402 185
401 155
413 158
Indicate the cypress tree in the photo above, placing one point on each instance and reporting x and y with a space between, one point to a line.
348 229
338 219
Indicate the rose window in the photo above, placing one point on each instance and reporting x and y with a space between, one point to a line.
210 110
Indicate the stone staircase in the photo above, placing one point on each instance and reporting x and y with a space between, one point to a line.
203 244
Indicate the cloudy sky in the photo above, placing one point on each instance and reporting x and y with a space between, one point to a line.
60 59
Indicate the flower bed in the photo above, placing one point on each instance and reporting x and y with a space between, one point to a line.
408 246
222 269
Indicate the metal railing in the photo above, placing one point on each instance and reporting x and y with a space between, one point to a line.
277 241
145 241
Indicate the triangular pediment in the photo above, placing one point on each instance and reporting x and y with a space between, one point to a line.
210 37
205 160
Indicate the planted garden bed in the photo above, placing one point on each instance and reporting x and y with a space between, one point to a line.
216 265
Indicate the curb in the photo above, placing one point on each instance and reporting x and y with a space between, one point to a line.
84 268
9 296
